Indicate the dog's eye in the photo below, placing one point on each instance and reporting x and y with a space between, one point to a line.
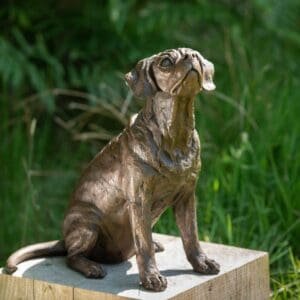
166 62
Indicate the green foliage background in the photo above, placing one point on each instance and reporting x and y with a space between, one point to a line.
62 97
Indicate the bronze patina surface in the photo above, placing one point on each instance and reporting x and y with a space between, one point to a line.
152 165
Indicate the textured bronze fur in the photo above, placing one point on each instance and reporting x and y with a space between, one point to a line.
152 165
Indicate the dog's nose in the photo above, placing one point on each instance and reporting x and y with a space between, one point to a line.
192 58
190 55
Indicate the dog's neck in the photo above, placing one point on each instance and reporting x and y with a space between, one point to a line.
173 117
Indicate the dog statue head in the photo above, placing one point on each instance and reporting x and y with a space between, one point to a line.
182 72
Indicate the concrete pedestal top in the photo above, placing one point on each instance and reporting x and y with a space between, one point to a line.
244 275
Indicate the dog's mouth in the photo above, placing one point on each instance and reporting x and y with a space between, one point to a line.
198 75
188 73
198 70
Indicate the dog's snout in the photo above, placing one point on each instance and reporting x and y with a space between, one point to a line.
192 59
190 56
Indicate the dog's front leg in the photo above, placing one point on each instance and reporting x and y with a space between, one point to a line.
140 218
185 213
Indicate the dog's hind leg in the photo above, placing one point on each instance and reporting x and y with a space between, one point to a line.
79 243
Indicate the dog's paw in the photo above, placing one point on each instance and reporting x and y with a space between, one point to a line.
158 247
154 281
95 271
202 264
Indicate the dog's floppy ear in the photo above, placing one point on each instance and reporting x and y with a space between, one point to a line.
207 76
140 80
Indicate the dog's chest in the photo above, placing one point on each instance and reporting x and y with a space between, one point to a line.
168 162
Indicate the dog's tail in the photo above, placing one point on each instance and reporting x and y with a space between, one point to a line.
53 248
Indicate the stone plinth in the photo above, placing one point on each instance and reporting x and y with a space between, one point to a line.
244 275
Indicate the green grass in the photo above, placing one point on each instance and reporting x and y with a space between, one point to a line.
35 181
248 189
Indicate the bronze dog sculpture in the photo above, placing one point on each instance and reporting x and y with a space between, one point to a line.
151 165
